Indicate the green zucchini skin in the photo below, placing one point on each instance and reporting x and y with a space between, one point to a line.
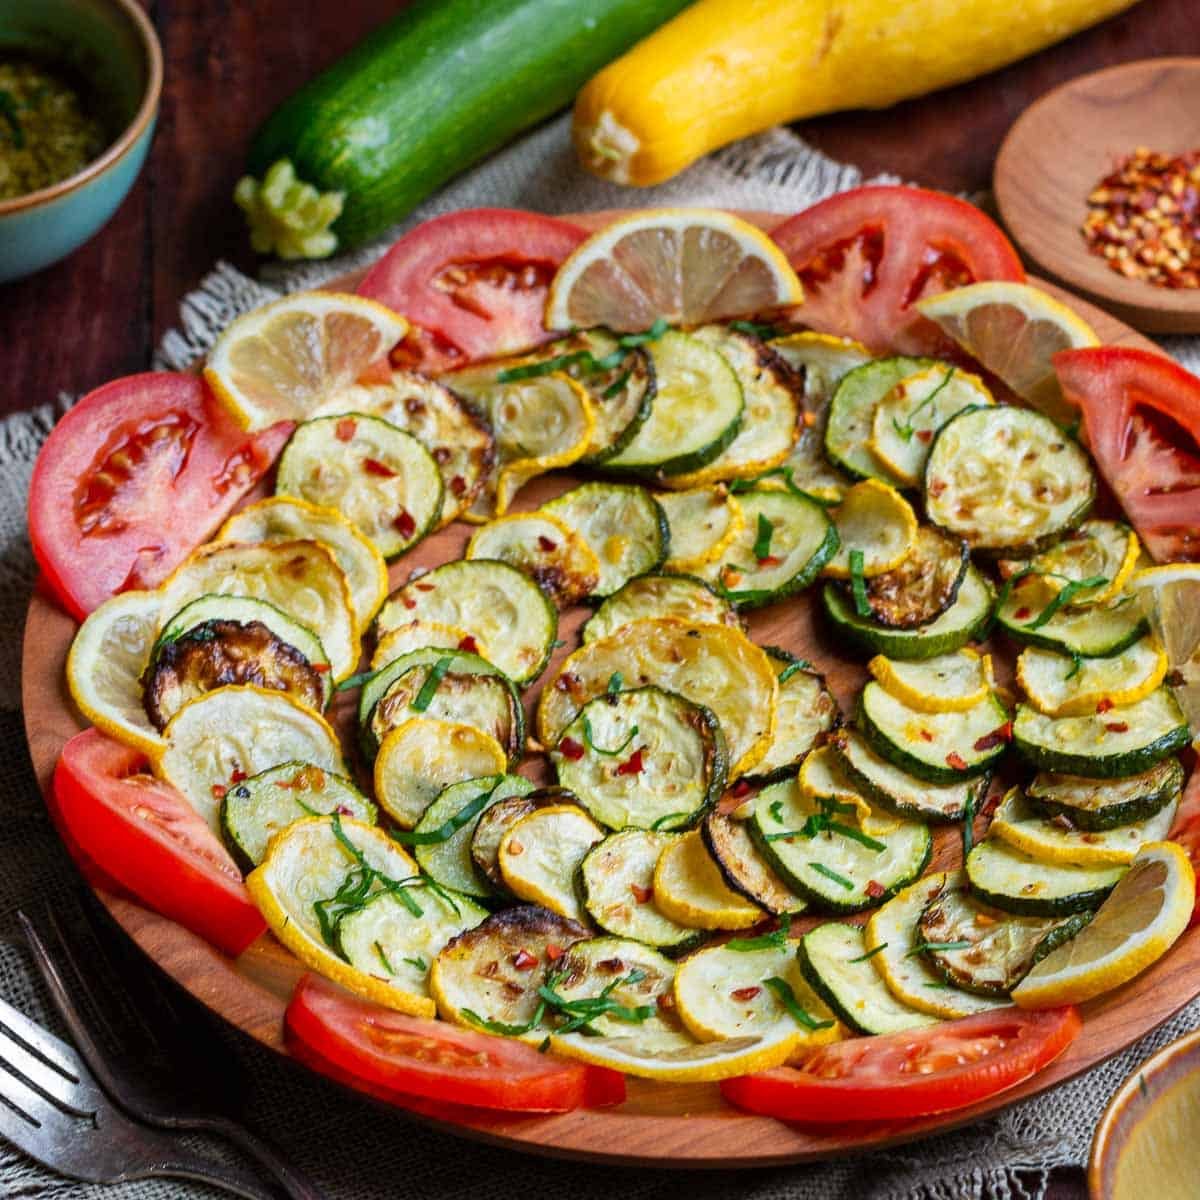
438 87
1097 805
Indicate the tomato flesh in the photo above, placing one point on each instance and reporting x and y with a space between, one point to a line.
143 834
1186 831
397 1057
1141 418
865 257
904 1075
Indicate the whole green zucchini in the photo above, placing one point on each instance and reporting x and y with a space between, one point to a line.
438 87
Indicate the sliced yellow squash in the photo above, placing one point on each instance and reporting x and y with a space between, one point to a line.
874 519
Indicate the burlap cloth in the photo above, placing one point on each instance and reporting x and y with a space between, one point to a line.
354 1150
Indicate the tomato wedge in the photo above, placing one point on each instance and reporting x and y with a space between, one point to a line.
398 1058
474 283
145 835
867 256
1141 417
1186 831
132 480
904 1075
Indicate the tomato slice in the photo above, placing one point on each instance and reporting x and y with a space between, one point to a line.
904 1075
393 1056
145 835
867 256
132 479
1186 831
1141 417
473 283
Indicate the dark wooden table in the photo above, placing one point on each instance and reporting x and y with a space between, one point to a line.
228 63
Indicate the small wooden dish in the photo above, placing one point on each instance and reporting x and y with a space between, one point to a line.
1061 147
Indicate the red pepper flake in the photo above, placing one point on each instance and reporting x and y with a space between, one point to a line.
666 1002
956 760
1104 704
404 523
345 429
643 895
926 736
570 748
741 789
746 993
997 737
554 952
515 849
524 961
875 889
771 560
373 466
546 544
320 667
924 435
424 587
1022 613
1117 726
218 791
469 644
633 765
441 455
238 775
408 602
458 485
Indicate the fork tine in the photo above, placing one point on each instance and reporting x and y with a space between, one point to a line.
55 1052
61 1087
27 1100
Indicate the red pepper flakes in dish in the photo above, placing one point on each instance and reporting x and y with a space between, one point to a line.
373 466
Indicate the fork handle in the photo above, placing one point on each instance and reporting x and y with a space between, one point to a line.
295 1185
184 1165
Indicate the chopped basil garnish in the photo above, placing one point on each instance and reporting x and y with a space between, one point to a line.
858 584
590 742
432 682
786 997
762 543
869 954
1068 593
418 962
840 880
615 388
921 947
616 681
383 958
353 681
758 329
448 828
906 430
777 939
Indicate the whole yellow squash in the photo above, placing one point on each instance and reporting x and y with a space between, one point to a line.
724 69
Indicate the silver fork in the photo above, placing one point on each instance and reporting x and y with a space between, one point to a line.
146 1051
53 1110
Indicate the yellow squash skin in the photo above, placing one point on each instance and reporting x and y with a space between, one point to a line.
724 69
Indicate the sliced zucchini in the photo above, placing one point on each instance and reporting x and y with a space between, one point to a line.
623 525
1019 824
1007 479
616 879
985 950
1100 550
423 756
898 791
834 959
644 759
543 547
458 438
785 542
774 408
423 635
1122 741
283 518
1060 686
495 822
806 709
1098 805
713 666
378 477
540 857
489 975
1010 879
909 416
852 414
442 837
947 683
823 778
743 866
836 865
653 595
689 889
697 410
702 524
891 934
964 620
254 810
923 586
1098 631
492 601
945 747
873 520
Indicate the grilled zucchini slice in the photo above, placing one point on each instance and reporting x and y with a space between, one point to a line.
923 586
1098 631
1019 824
1010 879
834 959
497 819
697 410
1122 741
420 758
689 889
943 747
540 856
1103 550
713 666
985 950
834 870
643 758
254 810
424 635
543 547
785 542
442 837
805 711
1096 805
1007 480
378 477
965 620
947 683
623 525
1061 686
875 521
823 777
701 523
616 880
743 866
492 601
653 595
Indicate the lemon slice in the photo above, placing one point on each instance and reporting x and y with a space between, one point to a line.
875 519
1014 330
1058 686
1170 597
684 265
689 889
704 522
946 683
418 635
289 359
1134 927
105 665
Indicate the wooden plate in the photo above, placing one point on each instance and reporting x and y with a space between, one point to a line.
662 1125
1061 147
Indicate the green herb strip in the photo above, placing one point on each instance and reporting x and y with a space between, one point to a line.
777 939
1065 596
616 681
738 486
840 880
823 822
432 682
922 947
589 740
354 681
858 584
617 386
775 808
756 329
786 997
762 542
419 963
547 366
500 1027
586 361
869 954
383 958
968 831
906 430
448 828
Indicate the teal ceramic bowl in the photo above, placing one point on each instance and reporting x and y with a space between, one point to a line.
112 45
